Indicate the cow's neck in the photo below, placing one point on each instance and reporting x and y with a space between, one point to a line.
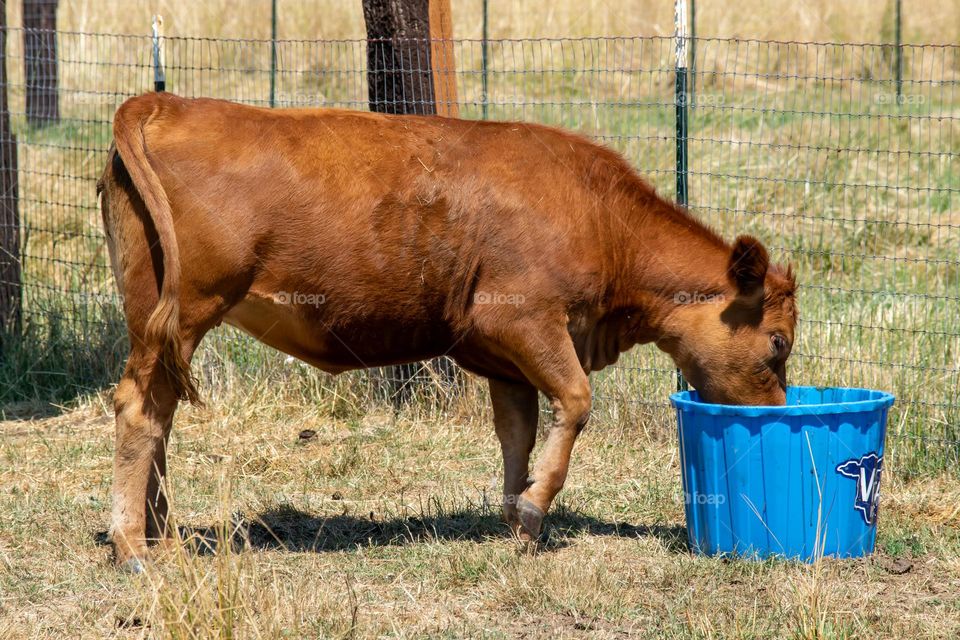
672 261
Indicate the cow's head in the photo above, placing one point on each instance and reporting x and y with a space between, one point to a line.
733 347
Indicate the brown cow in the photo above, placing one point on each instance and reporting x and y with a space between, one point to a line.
529 255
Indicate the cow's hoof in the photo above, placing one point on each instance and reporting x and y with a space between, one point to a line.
134 566
531 519
509 515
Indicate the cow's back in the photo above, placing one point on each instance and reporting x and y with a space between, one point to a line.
386 231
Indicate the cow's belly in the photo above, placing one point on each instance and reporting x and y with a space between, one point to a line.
338 344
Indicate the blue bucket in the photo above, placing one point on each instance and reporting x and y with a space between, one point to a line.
799 481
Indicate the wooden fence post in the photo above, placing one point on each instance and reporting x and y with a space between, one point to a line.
10 274
40 61
442 59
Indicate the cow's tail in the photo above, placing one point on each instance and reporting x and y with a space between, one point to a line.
162 332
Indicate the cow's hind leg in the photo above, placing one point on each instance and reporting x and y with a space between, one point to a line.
145 402
515 414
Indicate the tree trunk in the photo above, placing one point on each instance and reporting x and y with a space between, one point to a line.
403 75
40 61
399 74
10 285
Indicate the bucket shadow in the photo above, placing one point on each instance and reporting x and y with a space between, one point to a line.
289 529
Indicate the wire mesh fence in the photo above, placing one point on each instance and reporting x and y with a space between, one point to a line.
808 146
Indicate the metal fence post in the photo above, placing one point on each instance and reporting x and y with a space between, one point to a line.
693 53
898 53
483 55
159 74
680 103
273 53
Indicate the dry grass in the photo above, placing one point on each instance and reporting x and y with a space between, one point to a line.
382 526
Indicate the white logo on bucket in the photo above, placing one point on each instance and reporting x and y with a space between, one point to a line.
866 471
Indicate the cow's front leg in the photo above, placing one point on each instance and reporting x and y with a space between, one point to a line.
546 356
144 402
515 415
571 409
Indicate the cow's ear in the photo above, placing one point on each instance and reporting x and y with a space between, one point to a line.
748 265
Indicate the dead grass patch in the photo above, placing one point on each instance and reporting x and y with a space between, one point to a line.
386 526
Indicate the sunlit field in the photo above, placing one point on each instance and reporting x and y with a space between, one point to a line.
813 20
386 525
383 521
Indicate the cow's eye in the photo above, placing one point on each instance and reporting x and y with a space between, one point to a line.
778 344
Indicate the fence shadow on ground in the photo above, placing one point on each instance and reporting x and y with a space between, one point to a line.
293 530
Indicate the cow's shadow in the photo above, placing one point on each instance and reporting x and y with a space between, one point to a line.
289 529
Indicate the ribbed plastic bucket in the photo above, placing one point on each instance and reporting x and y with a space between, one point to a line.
799 481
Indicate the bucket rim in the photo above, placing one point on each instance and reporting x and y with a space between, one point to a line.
883 400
